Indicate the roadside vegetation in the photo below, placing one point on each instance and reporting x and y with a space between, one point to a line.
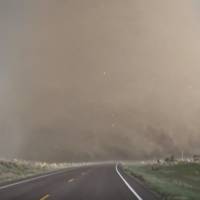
11 170
19 169
170 180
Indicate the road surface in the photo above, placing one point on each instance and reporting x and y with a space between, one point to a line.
102 182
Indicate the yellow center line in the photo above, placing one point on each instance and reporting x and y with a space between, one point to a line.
71 180
45 197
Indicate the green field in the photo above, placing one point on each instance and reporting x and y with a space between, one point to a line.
171 182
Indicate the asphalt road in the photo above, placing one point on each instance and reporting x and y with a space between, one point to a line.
103 182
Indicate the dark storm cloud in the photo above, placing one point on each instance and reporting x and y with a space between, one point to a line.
84 80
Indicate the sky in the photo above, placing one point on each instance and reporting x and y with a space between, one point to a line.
99 80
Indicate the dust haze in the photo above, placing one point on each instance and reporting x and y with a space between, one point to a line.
99 79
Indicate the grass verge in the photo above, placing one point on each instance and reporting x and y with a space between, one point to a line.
171 182
16 169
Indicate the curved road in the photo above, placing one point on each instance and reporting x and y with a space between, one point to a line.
102 182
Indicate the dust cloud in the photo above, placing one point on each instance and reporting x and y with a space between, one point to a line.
99 80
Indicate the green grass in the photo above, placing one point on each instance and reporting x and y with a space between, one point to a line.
173 182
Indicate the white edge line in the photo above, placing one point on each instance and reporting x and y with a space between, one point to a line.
127 184
28 180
